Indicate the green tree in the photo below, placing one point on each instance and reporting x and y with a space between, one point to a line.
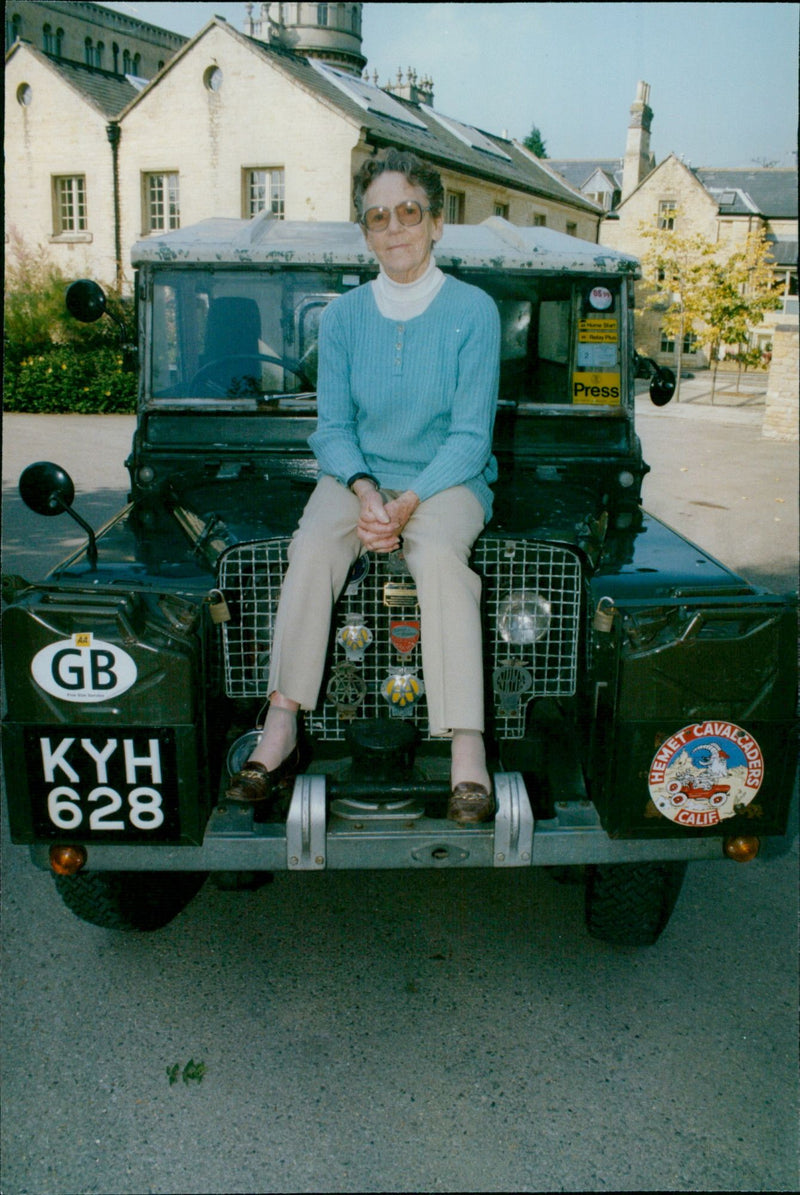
695 289
741 289
535 143
675 268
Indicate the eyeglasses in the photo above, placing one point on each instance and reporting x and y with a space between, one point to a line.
377 219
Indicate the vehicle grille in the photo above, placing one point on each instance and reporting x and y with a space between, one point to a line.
251 576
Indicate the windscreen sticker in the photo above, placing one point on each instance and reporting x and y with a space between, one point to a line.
596 389
83 669
706 773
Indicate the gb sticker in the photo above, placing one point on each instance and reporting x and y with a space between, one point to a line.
83 669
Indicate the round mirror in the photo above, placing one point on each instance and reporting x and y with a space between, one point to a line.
662 387
46 488
85 300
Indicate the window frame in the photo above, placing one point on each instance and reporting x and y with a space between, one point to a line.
274 202
70 208
168 221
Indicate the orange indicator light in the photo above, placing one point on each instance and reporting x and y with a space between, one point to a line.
741 848
67 860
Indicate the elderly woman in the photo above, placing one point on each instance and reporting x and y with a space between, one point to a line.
407 393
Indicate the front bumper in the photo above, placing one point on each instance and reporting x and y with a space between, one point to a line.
320 834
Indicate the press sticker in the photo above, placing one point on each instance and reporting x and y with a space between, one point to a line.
596 389
705 773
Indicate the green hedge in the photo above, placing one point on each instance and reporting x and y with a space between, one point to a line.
67 379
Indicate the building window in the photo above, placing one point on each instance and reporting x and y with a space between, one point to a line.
264 191
13 29
668 343
454 207
126 62
501 209
24 95
88 53
572 229
666 215
47 39
322 14
539 220
162 208
70 204
98 54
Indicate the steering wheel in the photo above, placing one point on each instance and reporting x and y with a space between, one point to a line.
205 374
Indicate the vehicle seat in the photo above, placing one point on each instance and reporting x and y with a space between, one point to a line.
233 327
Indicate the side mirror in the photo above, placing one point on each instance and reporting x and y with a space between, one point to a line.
662 385
85 300
48 490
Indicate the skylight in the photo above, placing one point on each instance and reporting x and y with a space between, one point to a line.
467 134
368 96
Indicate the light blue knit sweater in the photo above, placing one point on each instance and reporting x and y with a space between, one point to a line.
412 403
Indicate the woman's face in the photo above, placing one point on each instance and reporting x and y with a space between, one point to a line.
403 251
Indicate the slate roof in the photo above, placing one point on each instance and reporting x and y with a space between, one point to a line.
433 141
105 91
578 171
771 193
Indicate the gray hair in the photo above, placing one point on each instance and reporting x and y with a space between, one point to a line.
400 161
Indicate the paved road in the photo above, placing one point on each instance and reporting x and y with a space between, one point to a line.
424 1031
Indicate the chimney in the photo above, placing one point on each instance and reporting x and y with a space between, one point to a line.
638 160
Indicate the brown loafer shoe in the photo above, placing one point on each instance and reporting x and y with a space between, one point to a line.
254 783
470 804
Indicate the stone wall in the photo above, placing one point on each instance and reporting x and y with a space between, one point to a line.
781 411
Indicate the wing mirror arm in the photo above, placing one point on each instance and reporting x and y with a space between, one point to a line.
48 490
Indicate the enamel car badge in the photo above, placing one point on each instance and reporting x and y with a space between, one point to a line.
705 773
404 634
355 638
402 690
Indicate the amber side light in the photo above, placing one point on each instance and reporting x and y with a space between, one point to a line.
742 848
67 860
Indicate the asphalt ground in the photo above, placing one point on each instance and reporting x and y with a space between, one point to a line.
426 1031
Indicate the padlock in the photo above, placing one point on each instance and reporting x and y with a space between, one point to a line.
218 607
604 615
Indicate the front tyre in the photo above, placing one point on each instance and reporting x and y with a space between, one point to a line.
629 904
129 900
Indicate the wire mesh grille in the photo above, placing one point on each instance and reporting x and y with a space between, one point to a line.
251 576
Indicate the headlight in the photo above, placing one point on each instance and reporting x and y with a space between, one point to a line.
524 617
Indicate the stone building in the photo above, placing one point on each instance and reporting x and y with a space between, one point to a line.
91 35
95 159
723 206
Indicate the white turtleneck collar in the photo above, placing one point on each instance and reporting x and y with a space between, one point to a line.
405 300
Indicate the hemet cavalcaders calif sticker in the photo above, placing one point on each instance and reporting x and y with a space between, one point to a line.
705 773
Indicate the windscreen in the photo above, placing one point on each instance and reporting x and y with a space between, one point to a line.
251 336
238 335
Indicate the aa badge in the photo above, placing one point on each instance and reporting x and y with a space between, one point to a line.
705 773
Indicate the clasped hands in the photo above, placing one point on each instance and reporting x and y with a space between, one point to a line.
380 523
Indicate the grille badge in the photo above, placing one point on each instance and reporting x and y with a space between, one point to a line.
399 593
402 690
404 634
355 638
346 690
510 682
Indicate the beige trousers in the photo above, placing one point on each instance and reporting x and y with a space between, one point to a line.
436 542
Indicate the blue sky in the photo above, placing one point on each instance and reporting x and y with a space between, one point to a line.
723 77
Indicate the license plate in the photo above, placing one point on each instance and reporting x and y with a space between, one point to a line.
113 785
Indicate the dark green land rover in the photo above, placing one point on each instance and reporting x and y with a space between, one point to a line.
641 696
